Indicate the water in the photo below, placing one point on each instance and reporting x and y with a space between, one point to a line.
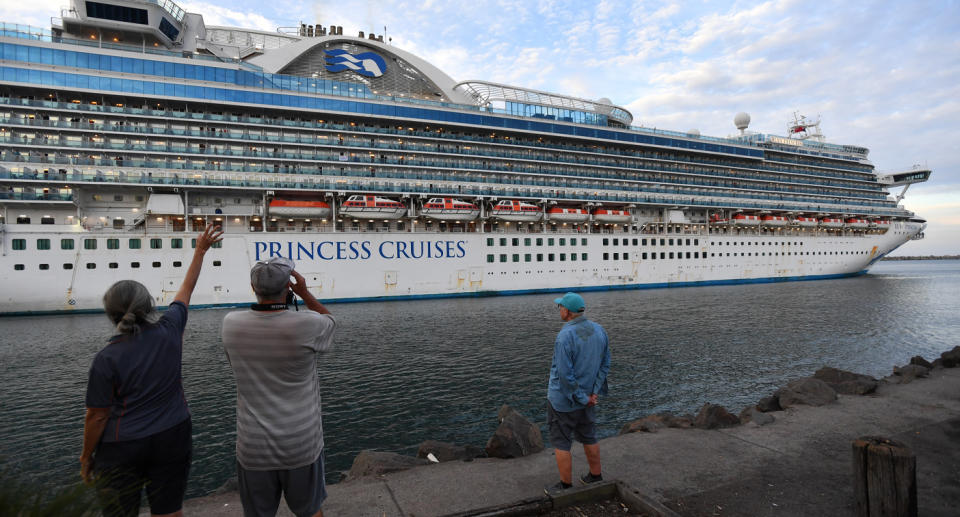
405 372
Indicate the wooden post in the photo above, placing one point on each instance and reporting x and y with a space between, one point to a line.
884 478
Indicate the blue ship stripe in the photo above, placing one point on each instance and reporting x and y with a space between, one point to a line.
481 294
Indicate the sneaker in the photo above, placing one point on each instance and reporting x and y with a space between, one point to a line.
588 478
556 489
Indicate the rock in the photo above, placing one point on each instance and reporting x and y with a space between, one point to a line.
515 437
845 382
712 416
919 360
910 372
951 358
449 452
769 404
374 463
752 414
228 486
808 391
936 364
651 423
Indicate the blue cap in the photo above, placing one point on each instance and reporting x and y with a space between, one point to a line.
572 301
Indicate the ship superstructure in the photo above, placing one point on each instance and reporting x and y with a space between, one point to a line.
130 125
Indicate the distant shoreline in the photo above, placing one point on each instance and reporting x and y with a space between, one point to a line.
924 257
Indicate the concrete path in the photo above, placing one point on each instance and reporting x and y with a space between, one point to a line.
800 465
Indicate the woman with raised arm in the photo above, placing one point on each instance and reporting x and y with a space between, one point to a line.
137 430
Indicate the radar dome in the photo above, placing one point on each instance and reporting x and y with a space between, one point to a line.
742 120
693 132
604 100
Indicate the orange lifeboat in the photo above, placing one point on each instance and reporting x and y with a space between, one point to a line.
299 208
512 210
746 220
773 220
610 215
715 219
806 222
831 222
372 207
450 209
858 224
567 215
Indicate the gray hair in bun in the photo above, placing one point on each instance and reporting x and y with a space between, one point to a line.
129 306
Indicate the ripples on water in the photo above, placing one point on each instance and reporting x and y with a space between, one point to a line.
405 372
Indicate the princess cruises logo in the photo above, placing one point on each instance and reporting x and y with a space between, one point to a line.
366 64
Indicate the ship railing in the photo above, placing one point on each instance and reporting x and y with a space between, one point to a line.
361 128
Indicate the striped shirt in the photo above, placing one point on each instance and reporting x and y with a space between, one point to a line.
274 360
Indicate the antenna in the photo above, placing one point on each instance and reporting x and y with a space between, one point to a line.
802 129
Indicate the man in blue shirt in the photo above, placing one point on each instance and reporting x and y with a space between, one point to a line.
578 375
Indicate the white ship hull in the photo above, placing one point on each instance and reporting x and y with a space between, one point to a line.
368 265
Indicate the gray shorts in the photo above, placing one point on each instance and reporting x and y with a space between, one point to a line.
303 488
579 425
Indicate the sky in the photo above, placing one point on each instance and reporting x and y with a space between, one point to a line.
882 75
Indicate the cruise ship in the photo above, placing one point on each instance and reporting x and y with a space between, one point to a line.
128 126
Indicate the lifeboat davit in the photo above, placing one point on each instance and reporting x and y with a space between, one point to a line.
853 222
611 215
299 208
774 220
450 209
715 219
806 222
882 223
372 207
746 220
511 210
831 222
567 215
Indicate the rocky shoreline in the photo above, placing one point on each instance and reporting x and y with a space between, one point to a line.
516 436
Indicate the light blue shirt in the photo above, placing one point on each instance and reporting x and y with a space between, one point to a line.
581 361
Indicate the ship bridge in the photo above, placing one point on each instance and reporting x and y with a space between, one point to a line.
917 174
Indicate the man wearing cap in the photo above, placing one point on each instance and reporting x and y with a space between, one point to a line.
273 352
578 375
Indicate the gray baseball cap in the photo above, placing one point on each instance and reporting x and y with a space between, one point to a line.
271 276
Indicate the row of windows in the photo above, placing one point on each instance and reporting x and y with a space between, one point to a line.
528 257
528 241
111 265
112 244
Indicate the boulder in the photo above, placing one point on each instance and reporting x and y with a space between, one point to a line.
936 364
515 437
807 391
449 452
769 404
845 382
651 423
374 463
712 416
919 360
910 372
752 414
951 358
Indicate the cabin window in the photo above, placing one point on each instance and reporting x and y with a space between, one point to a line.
643 256
616 242
550 241
156 264
539 257
156 244
44 267
134 244
583 257
18 267
135 265
616 256
583 241
176 243
503 257
489 241
663 255
671 242
91 265
23 220
526 242
539 241
113 244
490 257
527 257
606 241
66 244
573 257
113 265
634 242
563 242
515 241
68 266
89 244
43 244
516 257
644 242
606 256
696 242
19 244
663 242
563 257
688 242
177 263
626 256
503 241
47 220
